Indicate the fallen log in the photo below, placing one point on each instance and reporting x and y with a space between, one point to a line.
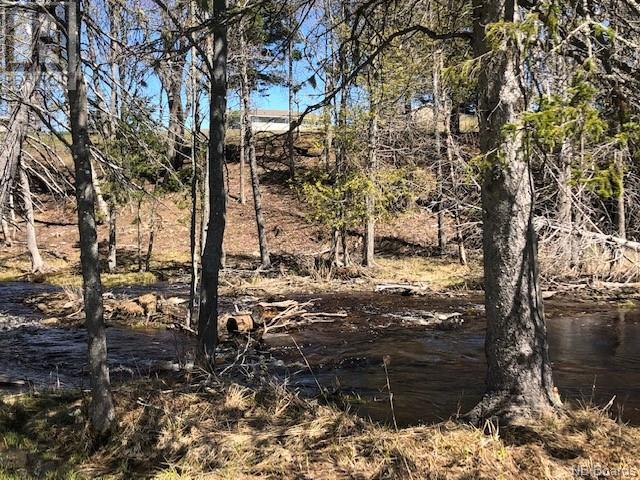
616 285
184 328
13 382
622 242
324 314
404 289
279 305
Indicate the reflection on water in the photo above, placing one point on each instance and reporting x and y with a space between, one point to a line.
433 374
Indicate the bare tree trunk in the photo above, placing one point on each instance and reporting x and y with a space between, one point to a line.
139 234
578 217
257 202
212 254
147 257
245 114
437 93
152 236
176 117
195 131
112 258
206 205
462 252
620 208
249 143
103 208
329 109
519 378
341 164
243 146
17 123
328 140
370 224
37 264
344 238
565 202
290 141
101 410
114 10
334 250
193 238
8 230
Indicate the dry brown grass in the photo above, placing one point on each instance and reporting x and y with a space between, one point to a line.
232 431
435 273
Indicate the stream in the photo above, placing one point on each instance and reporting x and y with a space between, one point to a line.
432 373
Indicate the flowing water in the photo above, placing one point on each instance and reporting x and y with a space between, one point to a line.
432 373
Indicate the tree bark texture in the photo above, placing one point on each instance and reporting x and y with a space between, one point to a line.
17 123
249 145
212 254
102 414
112 258
519 378
37 264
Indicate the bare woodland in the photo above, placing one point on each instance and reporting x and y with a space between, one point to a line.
511 126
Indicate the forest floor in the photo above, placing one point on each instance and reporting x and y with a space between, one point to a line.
234 428
404 244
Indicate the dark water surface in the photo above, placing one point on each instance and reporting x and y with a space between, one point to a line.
432 373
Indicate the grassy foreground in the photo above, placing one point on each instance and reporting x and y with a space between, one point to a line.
226 430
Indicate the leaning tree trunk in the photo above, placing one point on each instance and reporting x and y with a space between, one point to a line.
519 378
212 253
15 132
101 413
6 233
8 230
37 264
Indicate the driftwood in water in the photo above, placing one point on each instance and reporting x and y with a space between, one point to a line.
403 289
288 313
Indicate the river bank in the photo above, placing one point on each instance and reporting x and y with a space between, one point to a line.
227 428
323 388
